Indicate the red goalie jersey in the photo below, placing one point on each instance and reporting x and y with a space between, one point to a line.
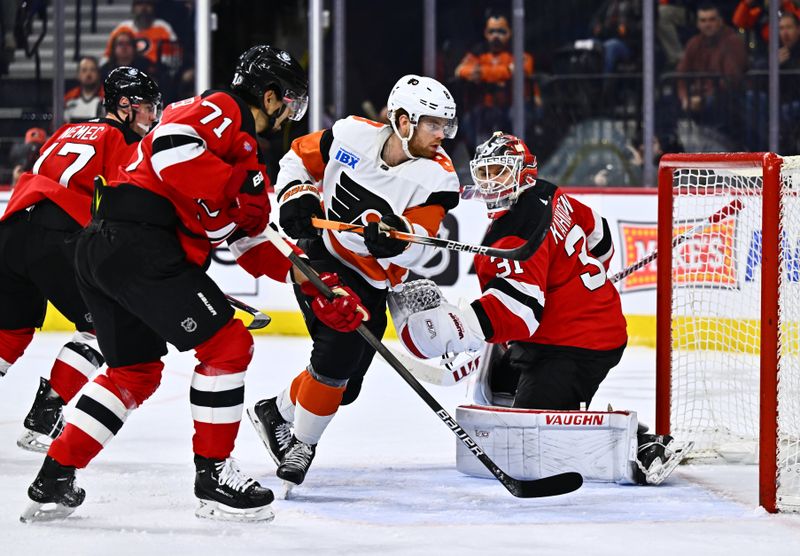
560 296
65 170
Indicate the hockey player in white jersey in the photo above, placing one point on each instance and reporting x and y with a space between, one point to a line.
381 177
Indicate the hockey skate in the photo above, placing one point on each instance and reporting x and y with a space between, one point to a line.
295 464
658 456
225 493
53 493
275 432
44 421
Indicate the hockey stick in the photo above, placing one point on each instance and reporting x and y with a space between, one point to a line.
521 253
728 210
546 486
260 320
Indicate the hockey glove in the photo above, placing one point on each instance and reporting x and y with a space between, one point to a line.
250 210
343 313
445 329
297 205
377 240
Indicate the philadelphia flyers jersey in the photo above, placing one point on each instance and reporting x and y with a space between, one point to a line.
65 170
359 187
560 296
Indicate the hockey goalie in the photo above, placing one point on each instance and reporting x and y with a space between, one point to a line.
551 327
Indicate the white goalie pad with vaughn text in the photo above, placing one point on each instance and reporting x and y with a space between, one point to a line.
531 443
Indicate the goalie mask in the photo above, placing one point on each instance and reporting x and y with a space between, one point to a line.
503 168
420 96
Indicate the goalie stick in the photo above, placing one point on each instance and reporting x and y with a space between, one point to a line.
260 320
561 483
728 210
521 253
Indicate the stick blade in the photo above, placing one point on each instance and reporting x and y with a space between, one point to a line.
554 485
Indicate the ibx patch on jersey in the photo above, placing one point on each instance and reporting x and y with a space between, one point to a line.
347 158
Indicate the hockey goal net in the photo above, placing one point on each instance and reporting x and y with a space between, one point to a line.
728 348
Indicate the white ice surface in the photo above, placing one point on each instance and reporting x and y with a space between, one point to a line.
383 482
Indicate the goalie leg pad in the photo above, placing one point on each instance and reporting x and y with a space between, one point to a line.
531 444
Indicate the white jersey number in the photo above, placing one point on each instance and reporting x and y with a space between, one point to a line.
591 281
216 112
85 153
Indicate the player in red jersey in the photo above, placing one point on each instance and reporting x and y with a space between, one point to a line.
48 206
557 313
196 180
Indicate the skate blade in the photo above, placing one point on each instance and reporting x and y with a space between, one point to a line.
38 512
33 441
288 487
679 452
208 509
251 414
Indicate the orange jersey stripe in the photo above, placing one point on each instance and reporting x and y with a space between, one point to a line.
307 148
368 266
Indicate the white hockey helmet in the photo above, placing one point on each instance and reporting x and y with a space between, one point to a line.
421 96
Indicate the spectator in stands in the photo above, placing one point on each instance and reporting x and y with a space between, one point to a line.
85 101
716 49
24 155
756 99
673 18
154 37
618 25
487 70
751 14
124 53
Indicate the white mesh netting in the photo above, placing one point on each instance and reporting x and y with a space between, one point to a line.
716 289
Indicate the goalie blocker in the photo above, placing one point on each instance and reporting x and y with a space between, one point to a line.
603 446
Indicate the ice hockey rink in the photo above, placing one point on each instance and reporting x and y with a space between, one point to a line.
383 481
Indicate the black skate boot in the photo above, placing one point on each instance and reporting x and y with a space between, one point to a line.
44 421
657 457
225 493
53 493
272 428
296 462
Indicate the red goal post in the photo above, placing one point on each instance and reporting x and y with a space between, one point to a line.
728 307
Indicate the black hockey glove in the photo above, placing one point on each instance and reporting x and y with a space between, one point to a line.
377 239
298 204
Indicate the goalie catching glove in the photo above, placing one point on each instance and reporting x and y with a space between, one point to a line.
443 329
344 313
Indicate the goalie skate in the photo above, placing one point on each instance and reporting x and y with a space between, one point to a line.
658 456
44 421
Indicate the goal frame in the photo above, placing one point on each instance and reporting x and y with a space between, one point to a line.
770 164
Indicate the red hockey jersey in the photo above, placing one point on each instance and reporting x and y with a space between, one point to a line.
192 157
65 170
560 296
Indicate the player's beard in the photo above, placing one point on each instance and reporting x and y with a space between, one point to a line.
418 149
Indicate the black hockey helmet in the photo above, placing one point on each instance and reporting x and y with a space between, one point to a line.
135 85
265 67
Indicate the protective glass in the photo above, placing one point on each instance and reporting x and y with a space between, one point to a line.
495 180
296 103
448 127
